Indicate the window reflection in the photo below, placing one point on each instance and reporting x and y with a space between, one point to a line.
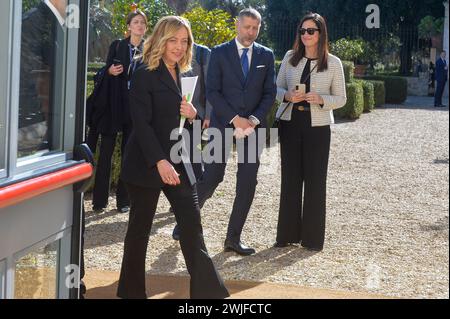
36 274
41 77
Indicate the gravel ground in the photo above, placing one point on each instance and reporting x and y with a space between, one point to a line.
387 214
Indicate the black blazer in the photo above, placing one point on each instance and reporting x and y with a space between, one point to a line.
155 112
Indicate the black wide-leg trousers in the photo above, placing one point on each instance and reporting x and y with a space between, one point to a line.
304 164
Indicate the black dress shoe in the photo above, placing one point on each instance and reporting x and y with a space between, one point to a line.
98 210
176 233
280 244
239 248
124 209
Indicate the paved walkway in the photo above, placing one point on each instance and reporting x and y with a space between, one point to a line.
103 285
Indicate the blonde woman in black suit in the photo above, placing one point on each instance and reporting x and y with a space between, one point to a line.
156 105
310 86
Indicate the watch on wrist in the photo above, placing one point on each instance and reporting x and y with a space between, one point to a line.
254 120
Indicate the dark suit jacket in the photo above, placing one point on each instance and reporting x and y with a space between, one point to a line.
441 72
155 111
231 95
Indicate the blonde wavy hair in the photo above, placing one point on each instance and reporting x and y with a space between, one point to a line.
155 45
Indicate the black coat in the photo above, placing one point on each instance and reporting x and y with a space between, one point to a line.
155 112
111 107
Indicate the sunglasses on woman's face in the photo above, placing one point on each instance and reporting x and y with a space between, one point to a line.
310 31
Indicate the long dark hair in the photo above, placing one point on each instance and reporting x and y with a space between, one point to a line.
323 50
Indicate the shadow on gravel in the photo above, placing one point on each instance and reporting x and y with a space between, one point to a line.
113 233
263 264
440 161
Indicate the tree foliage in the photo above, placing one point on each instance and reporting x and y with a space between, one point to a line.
402 16
29 4
211 28
153 9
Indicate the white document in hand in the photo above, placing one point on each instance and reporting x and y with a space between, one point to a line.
188 85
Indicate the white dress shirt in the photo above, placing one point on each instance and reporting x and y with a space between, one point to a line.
241 51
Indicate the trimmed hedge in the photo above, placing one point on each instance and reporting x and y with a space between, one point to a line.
355 102
94 66
270 118
369 100
396 87
277 66
379 93
349 71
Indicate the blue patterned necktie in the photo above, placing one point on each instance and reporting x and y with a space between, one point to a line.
244 62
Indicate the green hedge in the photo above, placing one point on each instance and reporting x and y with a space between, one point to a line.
355 102
396 87
89 87
379 92
349 71
369 99
94 67
277 66
115 163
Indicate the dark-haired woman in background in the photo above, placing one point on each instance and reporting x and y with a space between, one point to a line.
115 117
310 85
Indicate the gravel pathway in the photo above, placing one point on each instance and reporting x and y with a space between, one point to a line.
387 223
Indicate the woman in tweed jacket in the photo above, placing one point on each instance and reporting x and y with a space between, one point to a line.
306 113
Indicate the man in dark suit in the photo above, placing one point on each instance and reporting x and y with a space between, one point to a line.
441 75
241 89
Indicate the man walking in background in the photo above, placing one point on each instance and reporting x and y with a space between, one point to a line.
441 79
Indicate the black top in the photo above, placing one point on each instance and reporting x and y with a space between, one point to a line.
306 79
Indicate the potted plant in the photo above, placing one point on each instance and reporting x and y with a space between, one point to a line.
357 51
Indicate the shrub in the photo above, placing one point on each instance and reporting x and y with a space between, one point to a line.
115 163
277 65
379 92
349 71
369 99
271 114
355 102
347 49
89 87
396 88
95 66
211 28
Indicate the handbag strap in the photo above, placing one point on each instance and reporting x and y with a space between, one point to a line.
307 77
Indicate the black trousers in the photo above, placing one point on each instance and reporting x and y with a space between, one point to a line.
248 165
103 169
440 87
205 280
304 164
